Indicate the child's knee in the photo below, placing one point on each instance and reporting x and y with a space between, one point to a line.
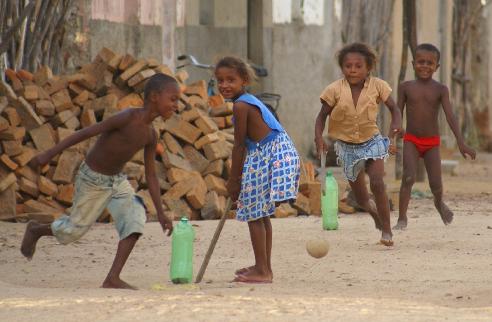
363 203
67 237
436 189
133 236
408 180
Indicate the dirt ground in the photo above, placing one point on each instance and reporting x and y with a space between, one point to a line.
433 273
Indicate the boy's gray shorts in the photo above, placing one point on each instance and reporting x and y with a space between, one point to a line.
95 192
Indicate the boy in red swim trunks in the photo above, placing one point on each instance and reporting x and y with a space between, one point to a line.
423 98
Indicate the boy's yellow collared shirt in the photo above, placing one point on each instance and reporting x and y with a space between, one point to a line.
350 123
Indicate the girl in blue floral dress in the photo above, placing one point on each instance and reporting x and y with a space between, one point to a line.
265 165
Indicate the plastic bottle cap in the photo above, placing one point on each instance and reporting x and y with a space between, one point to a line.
329 173
184 219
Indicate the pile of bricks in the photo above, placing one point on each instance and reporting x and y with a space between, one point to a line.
41 109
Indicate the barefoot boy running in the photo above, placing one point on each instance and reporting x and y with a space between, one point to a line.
100 183
423 98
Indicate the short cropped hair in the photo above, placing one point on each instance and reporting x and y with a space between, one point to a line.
240 66
431 48
157 83
360 48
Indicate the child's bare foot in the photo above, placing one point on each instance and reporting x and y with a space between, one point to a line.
30 239
401 224
254 276
244 270
445 212
117 283
386 239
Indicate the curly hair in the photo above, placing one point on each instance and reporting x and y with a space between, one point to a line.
157 83
359 48
243 69
431 48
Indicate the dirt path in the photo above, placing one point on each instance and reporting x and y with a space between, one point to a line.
432 274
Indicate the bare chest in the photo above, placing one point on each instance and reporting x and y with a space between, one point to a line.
423 97
128 139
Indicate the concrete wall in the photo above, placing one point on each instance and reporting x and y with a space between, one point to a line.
142 28
212 28
302 65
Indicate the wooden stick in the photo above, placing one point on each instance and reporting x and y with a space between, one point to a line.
210 250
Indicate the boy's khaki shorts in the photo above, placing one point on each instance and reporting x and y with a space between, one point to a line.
95 192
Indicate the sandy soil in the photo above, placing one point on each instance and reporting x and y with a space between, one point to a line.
433 273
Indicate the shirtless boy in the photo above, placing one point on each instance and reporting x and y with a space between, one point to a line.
423 98
100 183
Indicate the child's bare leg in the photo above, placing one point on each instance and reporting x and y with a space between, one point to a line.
410 161
125 246
260 272
34 231
375 170
268 231
362 196
269 241
432 160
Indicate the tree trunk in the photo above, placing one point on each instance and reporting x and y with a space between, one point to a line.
31 31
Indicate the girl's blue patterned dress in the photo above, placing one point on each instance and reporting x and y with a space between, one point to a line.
271 169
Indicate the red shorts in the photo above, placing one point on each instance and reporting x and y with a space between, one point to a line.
423 144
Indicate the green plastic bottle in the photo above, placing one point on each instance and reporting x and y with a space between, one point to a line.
182 252
329 203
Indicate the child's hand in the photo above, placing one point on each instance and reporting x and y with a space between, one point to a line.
321 146
466 150
166 224
395 131
233 187
392 149
39 161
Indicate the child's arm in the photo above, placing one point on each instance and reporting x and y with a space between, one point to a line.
319 127
153 184
116 121
401 99
453 124
240 112
395 126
